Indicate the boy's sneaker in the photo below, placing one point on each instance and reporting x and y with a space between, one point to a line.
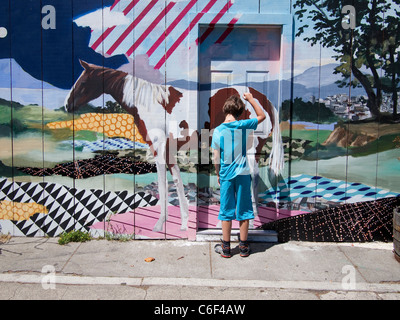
224 249
244 249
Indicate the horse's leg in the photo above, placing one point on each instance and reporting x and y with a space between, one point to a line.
184 207
162 191
254 172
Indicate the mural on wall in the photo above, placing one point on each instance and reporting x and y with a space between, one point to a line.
105 124
346 102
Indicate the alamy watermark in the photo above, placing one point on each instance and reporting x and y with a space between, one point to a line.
190 141
349 20
49 20
349 280
49 277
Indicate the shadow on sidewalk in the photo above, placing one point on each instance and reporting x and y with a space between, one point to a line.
255 247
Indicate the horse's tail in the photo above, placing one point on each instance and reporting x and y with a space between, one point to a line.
276 157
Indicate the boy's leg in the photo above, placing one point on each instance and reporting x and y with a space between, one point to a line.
244 212
227 207
244 230
244 248
226 215
244 206
224 248
226 230
226 239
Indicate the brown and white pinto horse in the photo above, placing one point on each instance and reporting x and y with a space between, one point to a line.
148 103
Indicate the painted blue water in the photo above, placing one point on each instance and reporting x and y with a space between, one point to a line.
301 186
107 144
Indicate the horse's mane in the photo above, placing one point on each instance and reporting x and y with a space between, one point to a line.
138 92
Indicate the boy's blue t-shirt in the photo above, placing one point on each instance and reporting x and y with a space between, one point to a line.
231 139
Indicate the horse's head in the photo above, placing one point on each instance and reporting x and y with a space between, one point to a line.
88 87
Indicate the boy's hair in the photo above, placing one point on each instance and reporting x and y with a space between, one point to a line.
234 106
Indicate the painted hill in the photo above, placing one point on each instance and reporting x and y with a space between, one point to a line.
312 82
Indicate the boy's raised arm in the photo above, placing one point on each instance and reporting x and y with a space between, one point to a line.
259 112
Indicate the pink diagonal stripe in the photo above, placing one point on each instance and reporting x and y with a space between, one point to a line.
102 37
109 30
228 30
115 3
130 6
131 27
213 22
150 28
171 27
184 35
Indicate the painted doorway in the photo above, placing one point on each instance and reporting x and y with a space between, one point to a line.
235 60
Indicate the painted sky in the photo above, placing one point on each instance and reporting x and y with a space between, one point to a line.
50 55
137 28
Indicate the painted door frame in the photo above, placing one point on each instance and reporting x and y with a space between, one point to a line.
284 21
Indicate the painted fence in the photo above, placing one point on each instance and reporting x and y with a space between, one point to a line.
95 94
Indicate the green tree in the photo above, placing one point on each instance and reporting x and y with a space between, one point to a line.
114 107
307 111
364 46
390 52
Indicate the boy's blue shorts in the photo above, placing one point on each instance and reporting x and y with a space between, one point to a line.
236 198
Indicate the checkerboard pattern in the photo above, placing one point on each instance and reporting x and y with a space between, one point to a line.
68 208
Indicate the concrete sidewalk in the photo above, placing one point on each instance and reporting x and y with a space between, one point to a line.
40 268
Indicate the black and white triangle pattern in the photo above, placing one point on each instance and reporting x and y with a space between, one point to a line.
68 208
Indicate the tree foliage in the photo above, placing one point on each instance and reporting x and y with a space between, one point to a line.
368 53
307 111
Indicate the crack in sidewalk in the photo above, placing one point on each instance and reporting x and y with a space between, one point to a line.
65 264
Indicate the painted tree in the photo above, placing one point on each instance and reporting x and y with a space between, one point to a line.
391 53
365 40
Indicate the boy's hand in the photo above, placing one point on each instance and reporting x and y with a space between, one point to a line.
247 96
259 112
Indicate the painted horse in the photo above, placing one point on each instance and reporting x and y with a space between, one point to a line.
151 104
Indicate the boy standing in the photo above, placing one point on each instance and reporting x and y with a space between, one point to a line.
229 144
